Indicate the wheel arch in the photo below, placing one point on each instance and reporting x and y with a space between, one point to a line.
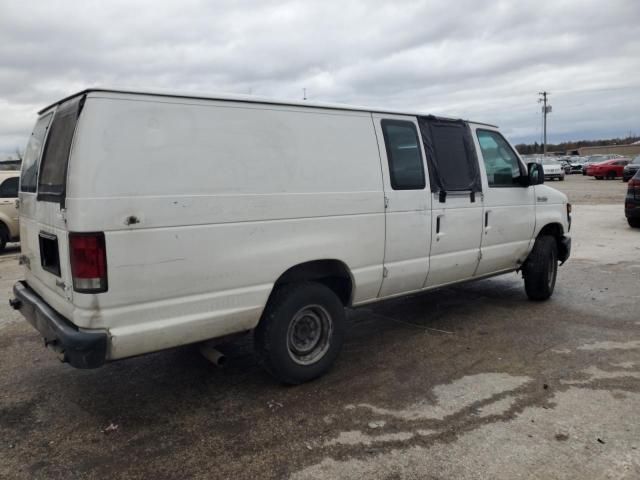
556 230
332 273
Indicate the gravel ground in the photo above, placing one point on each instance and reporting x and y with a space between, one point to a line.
471 381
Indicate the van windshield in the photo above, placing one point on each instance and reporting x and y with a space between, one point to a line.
28 180
53 167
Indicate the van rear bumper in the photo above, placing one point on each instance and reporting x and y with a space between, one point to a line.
81 348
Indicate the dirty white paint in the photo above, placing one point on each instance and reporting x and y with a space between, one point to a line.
454 397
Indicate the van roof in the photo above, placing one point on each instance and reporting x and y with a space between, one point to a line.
245 99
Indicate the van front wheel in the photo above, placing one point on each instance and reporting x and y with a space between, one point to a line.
541 268
301 332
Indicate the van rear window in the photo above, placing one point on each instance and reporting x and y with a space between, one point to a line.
53 167
29 177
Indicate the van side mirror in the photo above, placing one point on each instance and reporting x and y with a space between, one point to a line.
536 173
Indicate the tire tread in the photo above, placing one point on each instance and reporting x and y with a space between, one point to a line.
535 269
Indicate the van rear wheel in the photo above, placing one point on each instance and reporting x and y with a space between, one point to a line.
301 332
541 269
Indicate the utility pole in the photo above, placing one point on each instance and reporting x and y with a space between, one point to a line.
545 110
304 94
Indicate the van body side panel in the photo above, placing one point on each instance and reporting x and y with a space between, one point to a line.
224 198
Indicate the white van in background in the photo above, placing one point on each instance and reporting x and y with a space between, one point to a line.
150 221
9 224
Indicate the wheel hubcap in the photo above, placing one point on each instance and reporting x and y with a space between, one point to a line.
309 334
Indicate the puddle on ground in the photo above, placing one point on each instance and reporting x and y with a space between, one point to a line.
606 345
453 397
497 408
356 437
599 441
595 373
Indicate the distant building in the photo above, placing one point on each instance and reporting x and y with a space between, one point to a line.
627 150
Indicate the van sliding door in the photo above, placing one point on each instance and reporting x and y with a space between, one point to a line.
457 200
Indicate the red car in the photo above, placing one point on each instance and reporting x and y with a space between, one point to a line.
608 169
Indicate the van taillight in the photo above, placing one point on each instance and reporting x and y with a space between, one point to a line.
88 257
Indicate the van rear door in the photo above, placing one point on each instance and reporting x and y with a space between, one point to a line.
43 229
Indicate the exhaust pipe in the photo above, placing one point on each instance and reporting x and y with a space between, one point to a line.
212 354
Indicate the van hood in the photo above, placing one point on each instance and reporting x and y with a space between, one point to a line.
553 195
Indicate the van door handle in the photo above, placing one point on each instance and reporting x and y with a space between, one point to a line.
438 225
486 222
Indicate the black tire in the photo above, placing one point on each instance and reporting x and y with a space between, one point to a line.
4 237
611 176
634 222
562 179
293 314
598 178
541 268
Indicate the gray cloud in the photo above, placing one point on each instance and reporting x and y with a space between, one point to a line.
480 60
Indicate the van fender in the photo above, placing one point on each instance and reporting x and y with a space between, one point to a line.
553 226
333 273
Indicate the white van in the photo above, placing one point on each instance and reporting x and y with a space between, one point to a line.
9 225
151 220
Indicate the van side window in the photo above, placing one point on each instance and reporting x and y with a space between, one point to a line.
500 162
55 157
32 154
9 188
403 153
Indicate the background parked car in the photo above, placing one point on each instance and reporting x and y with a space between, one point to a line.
632 202
552 169
608 169
577 164
9 226
593 159
630 169
566 165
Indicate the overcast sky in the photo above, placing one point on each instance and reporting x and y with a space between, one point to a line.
481 60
